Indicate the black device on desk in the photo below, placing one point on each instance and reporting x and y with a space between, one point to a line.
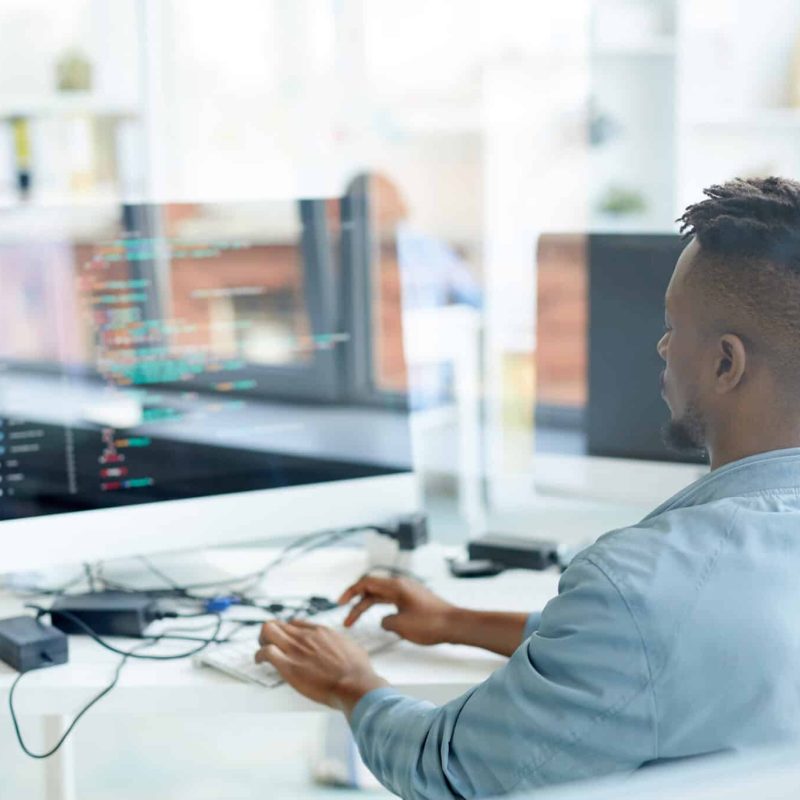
515 551
494 553
26 644
105 613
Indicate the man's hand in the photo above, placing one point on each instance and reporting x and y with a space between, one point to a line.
319 663
422 617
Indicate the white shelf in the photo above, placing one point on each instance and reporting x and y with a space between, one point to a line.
600 222
441 120
10 201
657 47
767 118
56 105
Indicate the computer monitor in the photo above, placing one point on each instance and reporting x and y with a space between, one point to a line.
178 376
625 413
600 414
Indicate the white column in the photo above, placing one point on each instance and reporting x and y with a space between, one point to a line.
59 775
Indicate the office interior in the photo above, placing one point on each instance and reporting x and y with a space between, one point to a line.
384 238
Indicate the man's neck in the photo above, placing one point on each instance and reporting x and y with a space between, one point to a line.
725 452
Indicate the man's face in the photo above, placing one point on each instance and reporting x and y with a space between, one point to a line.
681 348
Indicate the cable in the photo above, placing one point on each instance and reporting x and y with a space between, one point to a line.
193 615
38 591
126 655
131 653
158 573
96 699
87 568
296 548
299 550
305 544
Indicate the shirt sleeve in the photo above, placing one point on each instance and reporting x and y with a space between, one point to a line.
574 701
532 625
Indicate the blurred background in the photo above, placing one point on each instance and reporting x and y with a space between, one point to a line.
494 136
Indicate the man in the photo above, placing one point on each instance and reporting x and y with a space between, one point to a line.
676 637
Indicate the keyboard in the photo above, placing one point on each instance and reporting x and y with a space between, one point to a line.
236 658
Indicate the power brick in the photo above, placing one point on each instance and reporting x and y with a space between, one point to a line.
26 644
511 551
105 613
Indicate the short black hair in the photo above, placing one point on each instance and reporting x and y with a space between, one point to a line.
748 231
756 218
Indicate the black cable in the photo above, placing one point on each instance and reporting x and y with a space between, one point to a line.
296 548
305 543
38 591
87 568
175 587
192 615
96 699
300 550
126 655
131 653
224 640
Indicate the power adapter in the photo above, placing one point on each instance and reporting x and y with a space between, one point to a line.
105 613
514 552
26 644
410 531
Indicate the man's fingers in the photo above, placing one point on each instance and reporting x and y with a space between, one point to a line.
390 623
302 624
272 654
387 589
278 633
358 609
263 634
358 589
349 593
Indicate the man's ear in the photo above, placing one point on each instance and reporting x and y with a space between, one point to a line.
731 362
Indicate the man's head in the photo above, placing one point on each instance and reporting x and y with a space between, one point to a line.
732 320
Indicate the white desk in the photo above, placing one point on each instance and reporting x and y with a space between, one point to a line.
436 673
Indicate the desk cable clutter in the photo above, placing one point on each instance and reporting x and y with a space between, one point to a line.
27 643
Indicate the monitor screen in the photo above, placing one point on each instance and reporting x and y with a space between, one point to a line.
152 353
628 278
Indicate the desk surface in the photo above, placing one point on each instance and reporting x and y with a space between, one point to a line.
432 673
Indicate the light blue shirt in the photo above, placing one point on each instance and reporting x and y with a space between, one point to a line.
677 637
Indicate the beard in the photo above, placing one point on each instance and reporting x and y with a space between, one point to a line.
687 434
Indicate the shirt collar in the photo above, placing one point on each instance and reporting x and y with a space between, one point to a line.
776 469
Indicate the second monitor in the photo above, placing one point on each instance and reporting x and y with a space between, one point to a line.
599 412
625 413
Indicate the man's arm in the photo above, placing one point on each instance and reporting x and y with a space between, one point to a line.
576 701
499 631
424 618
